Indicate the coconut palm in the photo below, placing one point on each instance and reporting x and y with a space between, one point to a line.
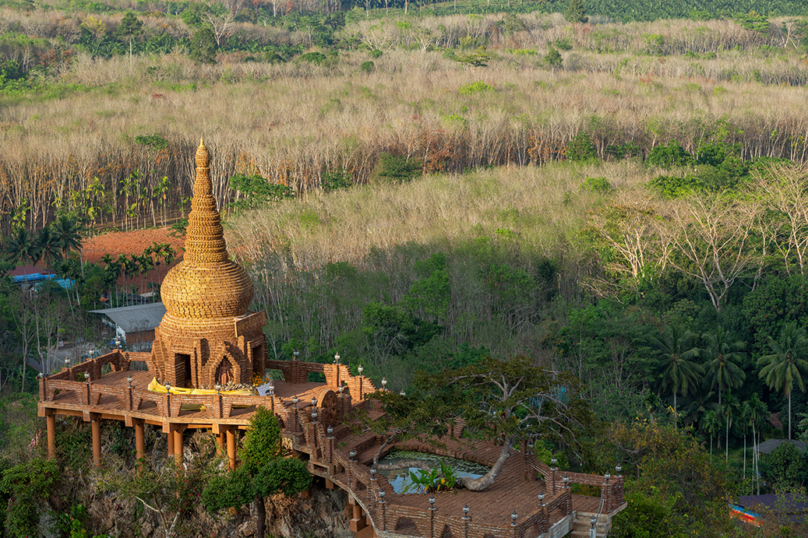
48 246
710 424
786 365
678 352
728 409
756 414
23 246
722 356
67 234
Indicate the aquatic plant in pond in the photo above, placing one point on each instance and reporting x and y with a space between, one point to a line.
415 480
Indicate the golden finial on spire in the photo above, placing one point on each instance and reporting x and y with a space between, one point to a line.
201 141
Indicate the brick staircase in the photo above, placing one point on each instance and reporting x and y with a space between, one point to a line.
581 527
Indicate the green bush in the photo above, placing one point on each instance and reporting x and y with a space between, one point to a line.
669 155
597 184
316 58
581 148
375 53
475 87
553 58
336 179
367 67
24 487
257 191
397 167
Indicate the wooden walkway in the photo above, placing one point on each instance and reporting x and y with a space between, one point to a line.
112 390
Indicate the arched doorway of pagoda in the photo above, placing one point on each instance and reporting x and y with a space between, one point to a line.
224 373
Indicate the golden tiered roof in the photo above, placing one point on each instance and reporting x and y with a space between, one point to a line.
206 284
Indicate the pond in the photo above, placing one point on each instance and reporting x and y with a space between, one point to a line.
400 478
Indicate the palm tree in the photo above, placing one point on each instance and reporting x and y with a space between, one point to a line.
698 404
757 414
710 425
785 366
48 246
67 234
678 351
23 246
727 409
722 356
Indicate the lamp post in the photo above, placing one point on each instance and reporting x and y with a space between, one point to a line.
271 389
361 387
336 358
593 531
384 383
514 517
129 381
432 516
466 519
295 354
384 510
118 342
402 393
618 468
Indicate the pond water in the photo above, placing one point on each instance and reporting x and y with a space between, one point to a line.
400 478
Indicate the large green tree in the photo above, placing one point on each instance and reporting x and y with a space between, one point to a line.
203 46
129 28
785 366
513 401
264 471
576 12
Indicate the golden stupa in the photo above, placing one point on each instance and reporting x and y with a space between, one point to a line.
206 337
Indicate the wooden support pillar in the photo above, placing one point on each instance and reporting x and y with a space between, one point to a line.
140 443
170 442
357 521
231 447
221 444
50 419
96 426
177 439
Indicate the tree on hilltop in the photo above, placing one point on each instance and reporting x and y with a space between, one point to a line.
203 46
129 28
576 12
264 471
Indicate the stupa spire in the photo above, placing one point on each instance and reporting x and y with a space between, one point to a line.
204 241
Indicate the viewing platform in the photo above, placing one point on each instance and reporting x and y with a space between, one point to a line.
111 387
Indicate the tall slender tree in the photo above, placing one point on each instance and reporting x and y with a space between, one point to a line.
785 366
757 414
678 353
729 409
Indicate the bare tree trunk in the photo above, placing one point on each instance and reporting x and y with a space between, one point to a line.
261 515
